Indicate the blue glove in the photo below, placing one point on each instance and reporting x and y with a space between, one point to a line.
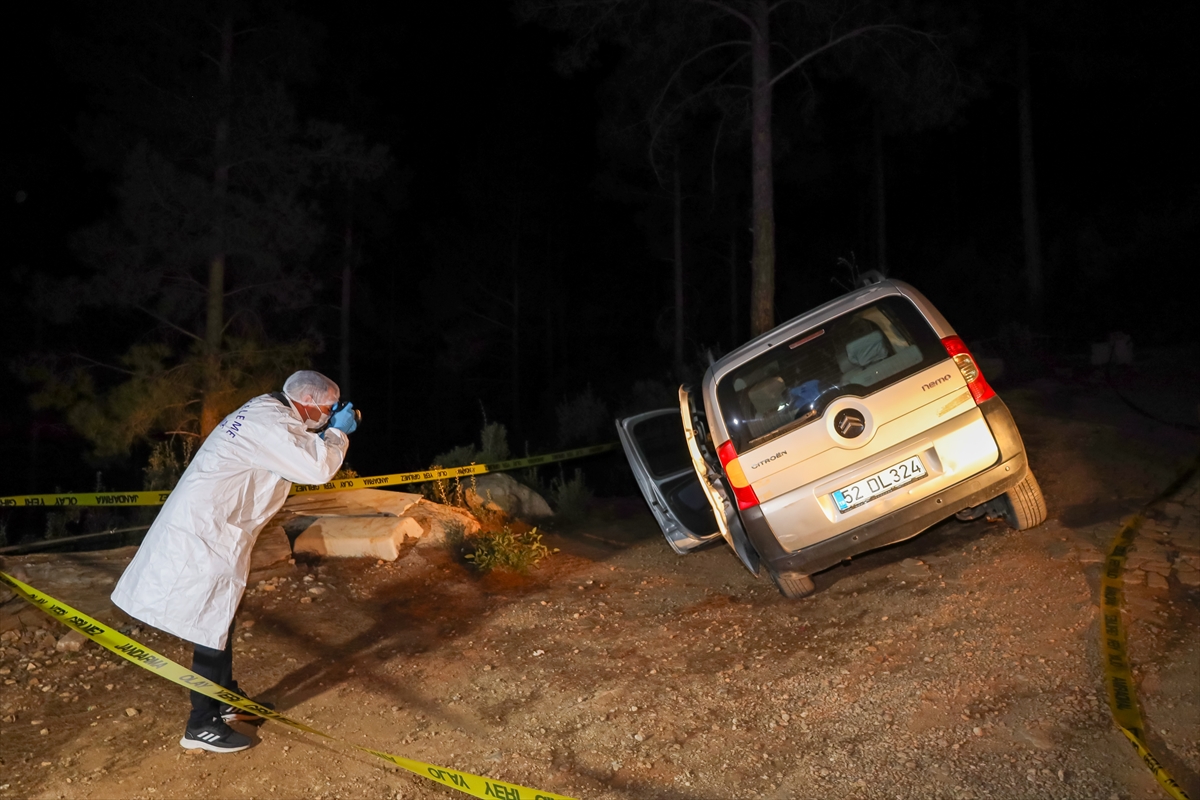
344 419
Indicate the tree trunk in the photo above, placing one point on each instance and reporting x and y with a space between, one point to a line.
880 195
1029 212
516 334
733 291
550 310
678 236
347 275
391 361
215 322
762 261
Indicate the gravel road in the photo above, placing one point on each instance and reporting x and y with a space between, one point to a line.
960 664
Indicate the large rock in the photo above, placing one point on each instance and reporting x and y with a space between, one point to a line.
272 547
442 524
504 494
358 537
70 642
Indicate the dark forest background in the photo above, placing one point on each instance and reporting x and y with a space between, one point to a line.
470 210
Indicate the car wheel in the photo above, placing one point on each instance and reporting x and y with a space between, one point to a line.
793 585
1026 507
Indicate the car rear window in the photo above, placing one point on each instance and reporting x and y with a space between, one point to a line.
855 354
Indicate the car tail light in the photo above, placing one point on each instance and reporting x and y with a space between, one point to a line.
980 389
742 490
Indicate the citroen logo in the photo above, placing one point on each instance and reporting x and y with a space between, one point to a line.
849 423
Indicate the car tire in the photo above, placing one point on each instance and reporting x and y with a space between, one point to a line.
793 585
1025 505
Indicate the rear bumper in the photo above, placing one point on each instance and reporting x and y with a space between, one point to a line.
1009 469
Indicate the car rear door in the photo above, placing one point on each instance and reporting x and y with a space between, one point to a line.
712 481
655 444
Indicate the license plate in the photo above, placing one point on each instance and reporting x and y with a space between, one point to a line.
880 483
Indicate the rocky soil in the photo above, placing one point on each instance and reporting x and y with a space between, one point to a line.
960 664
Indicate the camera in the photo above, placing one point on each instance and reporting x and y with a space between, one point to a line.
339 406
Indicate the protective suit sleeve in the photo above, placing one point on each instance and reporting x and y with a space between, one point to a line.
300 456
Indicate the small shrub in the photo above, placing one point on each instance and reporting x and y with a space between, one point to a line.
504 549
571 498
456 538
168 460
493 447
493 443
58 519
581 419
459 456
449 492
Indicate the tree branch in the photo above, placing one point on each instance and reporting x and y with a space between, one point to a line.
733 12
835 42
679 69
713 161
167 322
657 129
489 319
495 297
96 363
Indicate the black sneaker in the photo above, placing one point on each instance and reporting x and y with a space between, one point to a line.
214 736
232 714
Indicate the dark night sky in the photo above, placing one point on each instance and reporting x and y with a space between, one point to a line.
469 106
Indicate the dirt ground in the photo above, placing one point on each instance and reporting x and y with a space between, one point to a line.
960 664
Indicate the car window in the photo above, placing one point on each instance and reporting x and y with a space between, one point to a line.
660 438
855 354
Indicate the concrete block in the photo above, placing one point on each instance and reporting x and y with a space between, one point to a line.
357 537
355 502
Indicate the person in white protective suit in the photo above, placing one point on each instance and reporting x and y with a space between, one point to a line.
190 571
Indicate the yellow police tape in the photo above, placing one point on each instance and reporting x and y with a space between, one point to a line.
1118 671
374 482
138 653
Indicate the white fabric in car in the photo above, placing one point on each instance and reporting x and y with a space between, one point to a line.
867 349
873 373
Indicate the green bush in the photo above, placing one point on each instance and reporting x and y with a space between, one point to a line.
493 447
493 443
168 459
582 419
571 498
504 549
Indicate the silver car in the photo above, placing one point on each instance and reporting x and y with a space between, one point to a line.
856 425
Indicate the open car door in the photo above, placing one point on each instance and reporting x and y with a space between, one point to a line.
712 480
658 453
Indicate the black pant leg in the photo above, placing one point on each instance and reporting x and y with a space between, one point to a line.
216 666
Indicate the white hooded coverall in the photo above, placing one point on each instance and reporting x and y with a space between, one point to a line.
189 574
